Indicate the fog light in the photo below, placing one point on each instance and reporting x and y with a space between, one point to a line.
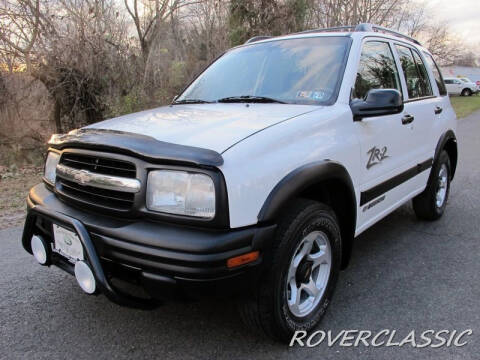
85 277
39 249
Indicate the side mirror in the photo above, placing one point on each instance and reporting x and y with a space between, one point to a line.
378 102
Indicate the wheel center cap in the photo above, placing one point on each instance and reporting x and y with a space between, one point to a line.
304 272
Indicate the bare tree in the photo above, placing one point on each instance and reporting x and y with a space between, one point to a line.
206 26
248 18
20 23
412 18
438 39
149 16
102 58
329 13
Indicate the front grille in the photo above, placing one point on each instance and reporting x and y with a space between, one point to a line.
100 197
99 165
94 196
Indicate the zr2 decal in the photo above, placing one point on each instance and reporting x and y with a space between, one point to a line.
376 156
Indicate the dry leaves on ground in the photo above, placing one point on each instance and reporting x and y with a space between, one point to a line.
14 186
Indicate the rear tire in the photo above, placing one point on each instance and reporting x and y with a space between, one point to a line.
300 274
430 204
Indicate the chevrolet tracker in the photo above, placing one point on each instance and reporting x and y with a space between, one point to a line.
254 182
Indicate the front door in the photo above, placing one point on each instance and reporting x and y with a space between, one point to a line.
387 145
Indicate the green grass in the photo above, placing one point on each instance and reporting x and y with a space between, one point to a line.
465 105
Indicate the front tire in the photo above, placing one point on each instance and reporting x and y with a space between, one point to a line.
466 92
301 272
431 203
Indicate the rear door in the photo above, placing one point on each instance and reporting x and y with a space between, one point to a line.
443 108
421 105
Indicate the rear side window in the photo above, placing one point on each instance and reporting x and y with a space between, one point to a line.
377 69
427 87
415 73
437 74
449 82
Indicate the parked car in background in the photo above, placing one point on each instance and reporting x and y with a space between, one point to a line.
457 86
478 85
468 81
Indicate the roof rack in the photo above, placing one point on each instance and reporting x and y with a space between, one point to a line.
365 27
347 28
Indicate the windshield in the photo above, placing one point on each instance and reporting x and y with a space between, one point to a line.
293 71
465 80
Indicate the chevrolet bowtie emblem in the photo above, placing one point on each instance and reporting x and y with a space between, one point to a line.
82 177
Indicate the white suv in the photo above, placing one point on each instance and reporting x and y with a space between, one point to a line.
460 86
255 180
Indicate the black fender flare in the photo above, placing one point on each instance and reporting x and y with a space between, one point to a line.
298 180
446 137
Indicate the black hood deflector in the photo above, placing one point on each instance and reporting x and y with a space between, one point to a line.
142 146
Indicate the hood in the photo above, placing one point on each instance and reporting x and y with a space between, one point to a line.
210 126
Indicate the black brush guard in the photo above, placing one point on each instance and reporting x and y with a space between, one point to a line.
104 285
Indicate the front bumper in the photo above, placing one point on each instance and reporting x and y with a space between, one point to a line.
164 260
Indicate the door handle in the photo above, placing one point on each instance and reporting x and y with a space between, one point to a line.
407 119
438 110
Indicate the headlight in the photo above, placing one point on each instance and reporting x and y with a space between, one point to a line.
51 167
181 192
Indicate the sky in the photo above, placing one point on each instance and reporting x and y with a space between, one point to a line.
463 17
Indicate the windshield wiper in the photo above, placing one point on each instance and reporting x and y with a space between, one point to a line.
191 101
249 98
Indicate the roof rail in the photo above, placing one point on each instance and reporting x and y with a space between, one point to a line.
381 29
364 27
348 28
257 38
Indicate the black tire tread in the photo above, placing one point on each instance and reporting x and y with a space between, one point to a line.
424 203
254 311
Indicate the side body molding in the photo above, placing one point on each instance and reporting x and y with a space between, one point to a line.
322 173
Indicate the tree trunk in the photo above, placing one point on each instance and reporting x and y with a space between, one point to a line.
57 117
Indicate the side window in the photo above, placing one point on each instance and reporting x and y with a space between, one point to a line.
425 80
436 73
449 82
377 69
409 70
416 82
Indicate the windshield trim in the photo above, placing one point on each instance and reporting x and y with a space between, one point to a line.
333 99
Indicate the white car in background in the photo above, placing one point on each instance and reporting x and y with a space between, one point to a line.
475 84
460 86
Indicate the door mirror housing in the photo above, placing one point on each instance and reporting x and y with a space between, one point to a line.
377 102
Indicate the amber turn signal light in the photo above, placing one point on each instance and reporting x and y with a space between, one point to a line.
243 259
